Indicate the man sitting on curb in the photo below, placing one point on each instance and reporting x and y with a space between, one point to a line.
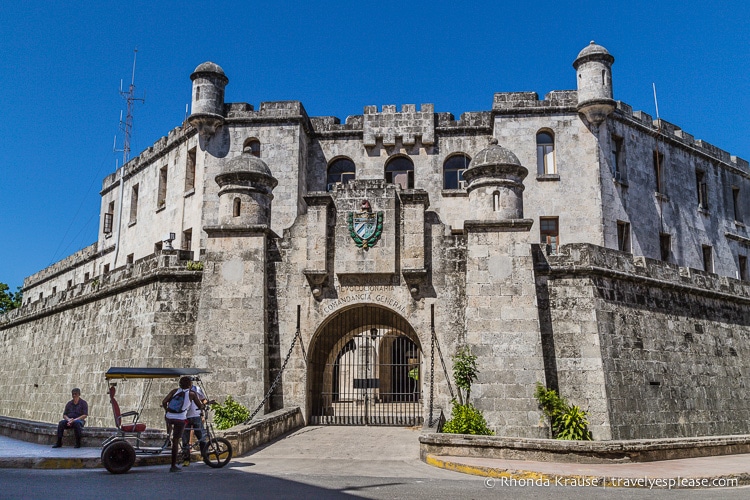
74 417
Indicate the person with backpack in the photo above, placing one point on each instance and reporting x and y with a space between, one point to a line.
195 424
176 405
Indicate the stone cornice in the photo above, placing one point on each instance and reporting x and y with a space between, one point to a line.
221 231
498 226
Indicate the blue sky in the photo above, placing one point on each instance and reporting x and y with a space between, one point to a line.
63 61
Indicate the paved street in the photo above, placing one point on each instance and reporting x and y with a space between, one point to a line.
314 462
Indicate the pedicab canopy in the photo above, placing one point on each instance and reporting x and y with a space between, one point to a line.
127 372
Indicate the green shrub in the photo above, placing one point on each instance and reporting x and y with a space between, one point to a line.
466 419
194 265
229 414
568 422
465 372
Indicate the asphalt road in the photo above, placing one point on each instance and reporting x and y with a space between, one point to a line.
314 462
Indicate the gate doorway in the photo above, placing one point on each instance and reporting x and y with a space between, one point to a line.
366 369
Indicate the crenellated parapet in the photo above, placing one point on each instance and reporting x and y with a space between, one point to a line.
584 259
165 265
389 125
528 102
675 134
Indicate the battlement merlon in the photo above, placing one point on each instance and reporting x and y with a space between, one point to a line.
676 135
408 124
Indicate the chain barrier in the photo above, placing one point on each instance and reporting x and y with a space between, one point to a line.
278 376
432 376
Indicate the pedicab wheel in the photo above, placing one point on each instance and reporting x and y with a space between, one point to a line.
118 457
217 453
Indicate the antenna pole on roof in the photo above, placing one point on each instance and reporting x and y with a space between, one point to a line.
656 103
127 126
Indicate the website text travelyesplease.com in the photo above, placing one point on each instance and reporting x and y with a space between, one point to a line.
614 482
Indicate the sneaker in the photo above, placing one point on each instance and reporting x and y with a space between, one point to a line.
186 463
57 445
174 468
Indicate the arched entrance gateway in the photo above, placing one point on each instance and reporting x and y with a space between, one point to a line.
365 368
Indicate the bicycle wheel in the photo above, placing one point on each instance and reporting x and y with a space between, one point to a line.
218 453
118 457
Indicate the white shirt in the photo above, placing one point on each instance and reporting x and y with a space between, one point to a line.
193 410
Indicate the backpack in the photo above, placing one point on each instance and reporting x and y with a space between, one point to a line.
177 403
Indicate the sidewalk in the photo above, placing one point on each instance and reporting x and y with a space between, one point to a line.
16 454
703 472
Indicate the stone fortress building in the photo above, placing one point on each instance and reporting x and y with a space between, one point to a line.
570 241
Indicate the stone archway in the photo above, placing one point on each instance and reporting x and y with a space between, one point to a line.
365 368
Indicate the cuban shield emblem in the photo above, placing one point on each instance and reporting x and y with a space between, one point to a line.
365 227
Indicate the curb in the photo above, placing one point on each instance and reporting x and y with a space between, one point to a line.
529 477
74 463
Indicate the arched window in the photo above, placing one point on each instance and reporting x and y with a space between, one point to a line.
252 146
400 170
340 171
236 207
453 171
545 153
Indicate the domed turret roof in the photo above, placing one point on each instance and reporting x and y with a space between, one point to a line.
209 67
494 154
593 51
246 163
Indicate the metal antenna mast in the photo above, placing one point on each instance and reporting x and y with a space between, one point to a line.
127 126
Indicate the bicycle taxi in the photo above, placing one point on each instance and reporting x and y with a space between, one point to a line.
119 451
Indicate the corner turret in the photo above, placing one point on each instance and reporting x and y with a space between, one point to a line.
594 79
495 178
245 192
207 110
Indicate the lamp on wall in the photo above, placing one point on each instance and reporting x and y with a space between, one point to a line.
168 239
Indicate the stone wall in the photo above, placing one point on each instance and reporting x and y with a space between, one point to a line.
673 344
138 315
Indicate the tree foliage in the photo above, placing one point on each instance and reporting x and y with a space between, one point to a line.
9 300
465 372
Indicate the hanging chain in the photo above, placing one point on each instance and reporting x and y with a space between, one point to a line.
445 370
278 376
432 375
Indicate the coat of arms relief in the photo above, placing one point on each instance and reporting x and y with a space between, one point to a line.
365 227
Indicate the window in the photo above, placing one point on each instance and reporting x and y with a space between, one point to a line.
108 218
106 268
70 284
665 246
134 204
400 170
187 239
252 146
708 261
340 171
701 189
86 276
623 236
54 290
236 207
550 233
158 246
618 170
129 259
496 201
659 171
545 153
453 171
161 199
736 204
190 170
742 267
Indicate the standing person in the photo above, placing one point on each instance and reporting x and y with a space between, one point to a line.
195 424
176 405
74 417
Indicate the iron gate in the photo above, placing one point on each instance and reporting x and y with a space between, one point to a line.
366 369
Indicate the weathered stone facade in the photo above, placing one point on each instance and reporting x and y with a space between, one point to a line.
557 238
